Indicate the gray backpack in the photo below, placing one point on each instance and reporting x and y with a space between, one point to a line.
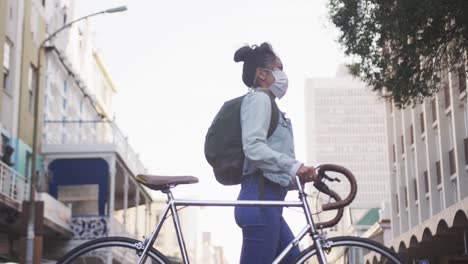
223 141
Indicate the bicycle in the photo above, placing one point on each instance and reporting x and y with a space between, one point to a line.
325 250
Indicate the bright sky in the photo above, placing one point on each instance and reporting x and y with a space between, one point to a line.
172 62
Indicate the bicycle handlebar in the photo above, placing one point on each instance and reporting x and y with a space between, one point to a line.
339 204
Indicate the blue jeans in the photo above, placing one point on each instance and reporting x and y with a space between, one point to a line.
264 230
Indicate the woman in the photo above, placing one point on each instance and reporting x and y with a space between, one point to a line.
270 166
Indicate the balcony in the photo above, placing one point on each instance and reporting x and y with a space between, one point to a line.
90 136
14 187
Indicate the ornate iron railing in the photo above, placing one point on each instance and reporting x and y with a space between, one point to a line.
13 184
92 227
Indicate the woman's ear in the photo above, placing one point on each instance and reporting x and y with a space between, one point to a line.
261 74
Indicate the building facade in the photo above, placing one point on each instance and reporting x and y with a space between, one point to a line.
428 157
345 126
22 27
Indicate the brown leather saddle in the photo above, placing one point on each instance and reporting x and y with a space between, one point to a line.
158 183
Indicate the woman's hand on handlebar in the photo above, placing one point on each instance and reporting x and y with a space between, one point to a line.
306 174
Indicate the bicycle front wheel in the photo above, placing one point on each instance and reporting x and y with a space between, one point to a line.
350 250
110 250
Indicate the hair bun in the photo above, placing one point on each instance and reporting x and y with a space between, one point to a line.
243 54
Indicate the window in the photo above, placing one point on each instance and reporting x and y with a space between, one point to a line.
426 182
441 199
421 120
415 189
411 134
406 197
402 144
436 139
7 52
447 94
397 204
32 83
461 79
450 131
455 190
434 110
393 152
465 118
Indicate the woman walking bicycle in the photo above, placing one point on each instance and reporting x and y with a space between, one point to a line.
270 165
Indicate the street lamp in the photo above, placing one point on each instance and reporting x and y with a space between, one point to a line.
31 218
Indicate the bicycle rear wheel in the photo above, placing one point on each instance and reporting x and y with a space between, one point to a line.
111 250
350 250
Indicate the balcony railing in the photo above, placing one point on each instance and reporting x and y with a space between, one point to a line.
91 133
13 184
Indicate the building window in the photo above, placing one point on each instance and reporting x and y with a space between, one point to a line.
393 152
406 197
32 82
402 144
43 2
441 199
434 110
7 56
450 131
426 182
438 173
397 205
421 120
455 190
447 94
461 79
436 139
411 134
415 189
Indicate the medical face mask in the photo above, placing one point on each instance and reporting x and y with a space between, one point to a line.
280 86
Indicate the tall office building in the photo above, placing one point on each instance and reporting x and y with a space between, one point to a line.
345 124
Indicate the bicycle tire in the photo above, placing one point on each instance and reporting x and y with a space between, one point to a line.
84 250
364 244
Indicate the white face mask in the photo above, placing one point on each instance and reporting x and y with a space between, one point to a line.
280 86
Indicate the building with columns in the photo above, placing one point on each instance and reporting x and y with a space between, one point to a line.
428 161
88 162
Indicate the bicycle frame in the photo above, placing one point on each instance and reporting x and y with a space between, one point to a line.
172 207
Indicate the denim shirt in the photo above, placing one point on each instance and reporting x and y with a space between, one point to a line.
274 156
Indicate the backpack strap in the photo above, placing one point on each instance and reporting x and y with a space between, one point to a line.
273 124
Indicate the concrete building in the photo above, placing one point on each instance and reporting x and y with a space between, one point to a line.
345 125
428 157
89 162
22 27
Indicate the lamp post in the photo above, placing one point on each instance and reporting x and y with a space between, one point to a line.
32 198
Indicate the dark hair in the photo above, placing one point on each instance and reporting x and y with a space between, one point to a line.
254 57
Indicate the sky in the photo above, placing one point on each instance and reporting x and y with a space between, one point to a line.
172 63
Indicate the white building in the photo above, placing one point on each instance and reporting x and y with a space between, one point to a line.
90 165
428 157
345 126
